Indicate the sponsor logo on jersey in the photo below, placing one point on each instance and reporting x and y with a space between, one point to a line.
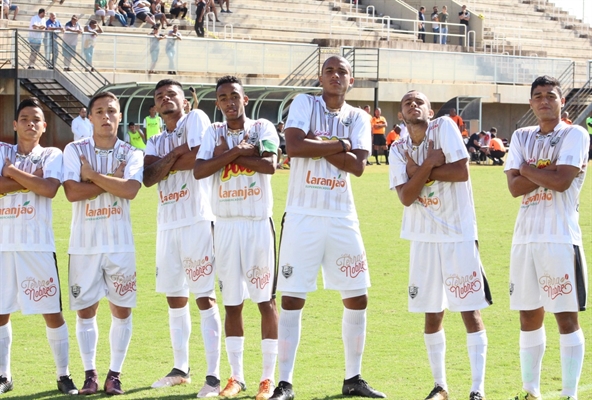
233 170
171 172
430 201
24 210
352 265
39 289
326 182
15 192
173 197
124 284
259 276
541 195
462 286
287 270
240 194
555 286
113 211
195 269
413 290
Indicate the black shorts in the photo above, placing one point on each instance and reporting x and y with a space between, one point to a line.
378 139
142 16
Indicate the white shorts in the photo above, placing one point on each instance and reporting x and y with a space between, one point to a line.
309 241
94 276
549 275
446 276
30 283
245 259
185 261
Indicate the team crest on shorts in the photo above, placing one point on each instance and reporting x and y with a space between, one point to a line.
511 288
413 291
220 284
287 270
75 290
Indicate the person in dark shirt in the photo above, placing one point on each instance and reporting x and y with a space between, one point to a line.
473 146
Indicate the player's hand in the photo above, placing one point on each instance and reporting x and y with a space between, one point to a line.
411 166
312 136
8 166
435 156
180 150
38 172
119 172
247 150
86 171
221 147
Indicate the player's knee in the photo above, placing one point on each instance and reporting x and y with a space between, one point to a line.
293 301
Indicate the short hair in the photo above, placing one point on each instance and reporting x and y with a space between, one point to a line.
421 8
41 10
492 135
167 82
100 96
349 67
493 129
544 81
30 102
228 79
131 124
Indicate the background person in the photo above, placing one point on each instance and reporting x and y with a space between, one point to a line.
81 126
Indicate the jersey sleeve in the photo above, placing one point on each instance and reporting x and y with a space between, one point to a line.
397 165
574 150
134 168
71 171
300 112
451 142
53 164
514 159
197 124
361 132
269 139
208 143
150 149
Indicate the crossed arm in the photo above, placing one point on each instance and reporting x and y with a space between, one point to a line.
179 159
14 179
527 178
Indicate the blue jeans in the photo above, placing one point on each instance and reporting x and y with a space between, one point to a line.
443 35
132 18
436 35
88 54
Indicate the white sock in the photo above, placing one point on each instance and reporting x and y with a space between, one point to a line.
290 326
269 349
60 348
234 350
572 359
211 327
477 347
5 345
353 332
532 349
436 346
180 330
87 332
120 335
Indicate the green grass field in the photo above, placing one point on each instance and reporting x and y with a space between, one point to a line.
395 360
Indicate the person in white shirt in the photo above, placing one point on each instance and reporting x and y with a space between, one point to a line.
239 156
546 166
327 140
184 242
81 126
36 26
430 173
101 175
29 180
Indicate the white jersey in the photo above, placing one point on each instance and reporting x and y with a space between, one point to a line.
183 200
239 191
25 217
101 224
444 211
546 215
81 127
317 187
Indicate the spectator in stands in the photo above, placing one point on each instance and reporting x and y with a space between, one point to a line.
474 147
81 126
211 7
73 29
443 18
178 7
127 10
421 24
36 25
101 10
92 31
52 25
497 150
565 118
171 48
221 2
435 27
142 10
135 136
157 10
200 12
8 7
464 15
457 119
155 38
113 11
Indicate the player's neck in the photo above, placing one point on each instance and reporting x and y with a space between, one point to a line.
548 126
417 132
24 147
237 124
104 143
333 102
170 121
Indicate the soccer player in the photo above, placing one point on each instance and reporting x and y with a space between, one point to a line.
327 139
30 177
101 175
241 155
429 170
184 243
546 165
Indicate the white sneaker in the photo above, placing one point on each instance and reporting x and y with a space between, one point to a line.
175 377
211 388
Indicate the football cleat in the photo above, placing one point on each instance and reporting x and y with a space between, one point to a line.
211 388
437 393
173 378
233 388
356 386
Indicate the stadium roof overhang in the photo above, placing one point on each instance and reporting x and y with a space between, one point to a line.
268 102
